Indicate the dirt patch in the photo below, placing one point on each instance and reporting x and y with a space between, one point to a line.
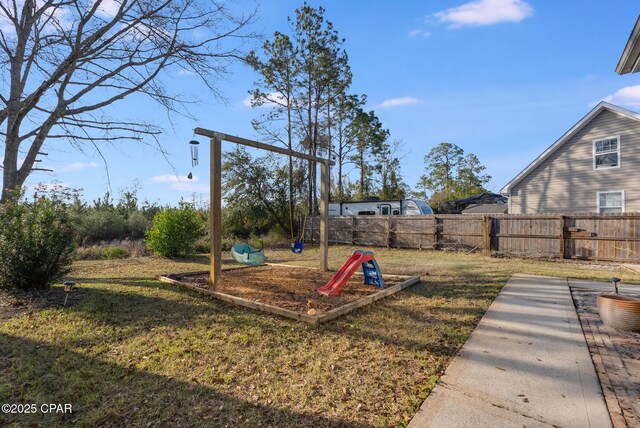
20 302
616 356
291 288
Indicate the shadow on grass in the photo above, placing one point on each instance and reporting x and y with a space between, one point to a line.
106 394
430 316
203 259
133 312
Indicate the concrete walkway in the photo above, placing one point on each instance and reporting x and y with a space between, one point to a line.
526 364
604 286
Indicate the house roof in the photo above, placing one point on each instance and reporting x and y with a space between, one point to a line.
630 59
477 199
603 105
500 208
457 205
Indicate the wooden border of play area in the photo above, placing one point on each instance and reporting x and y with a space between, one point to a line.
310 319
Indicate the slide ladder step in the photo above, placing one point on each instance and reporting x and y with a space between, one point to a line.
371 273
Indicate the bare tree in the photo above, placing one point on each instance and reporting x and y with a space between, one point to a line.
64 61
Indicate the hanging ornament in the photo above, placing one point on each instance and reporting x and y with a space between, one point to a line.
194 152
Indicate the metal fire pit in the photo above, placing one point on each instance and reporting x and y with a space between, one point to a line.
619 312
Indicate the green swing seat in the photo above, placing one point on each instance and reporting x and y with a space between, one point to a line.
247 255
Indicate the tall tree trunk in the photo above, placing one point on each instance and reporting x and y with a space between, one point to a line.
290 147
329 141
339 162
10 172
362 170
340 184
316 209
312 187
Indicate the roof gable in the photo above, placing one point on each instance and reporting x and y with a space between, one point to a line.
603 105
630 58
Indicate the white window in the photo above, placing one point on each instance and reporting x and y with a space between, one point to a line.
610 202
606 153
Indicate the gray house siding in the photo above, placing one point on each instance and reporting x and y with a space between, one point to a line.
566 181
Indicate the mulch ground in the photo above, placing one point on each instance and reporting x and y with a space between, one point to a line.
291 288
616 356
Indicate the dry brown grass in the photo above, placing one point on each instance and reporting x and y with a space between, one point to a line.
135 352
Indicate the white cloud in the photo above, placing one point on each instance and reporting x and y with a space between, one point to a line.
185 72
274 99
48 187
6 26
395 102
181 182
485 12
628 96
78 166
419 33
54 17
190 187
171 178
108 8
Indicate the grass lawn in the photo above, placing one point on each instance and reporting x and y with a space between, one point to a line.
136 352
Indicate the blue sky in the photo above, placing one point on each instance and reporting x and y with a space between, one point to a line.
502 79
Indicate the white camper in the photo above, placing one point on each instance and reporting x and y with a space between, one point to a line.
393 207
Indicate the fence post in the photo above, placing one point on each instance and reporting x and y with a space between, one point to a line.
353 230
436 234
388 232
486 234
563 249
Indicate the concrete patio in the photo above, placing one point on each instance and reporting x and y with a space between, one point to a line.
526 364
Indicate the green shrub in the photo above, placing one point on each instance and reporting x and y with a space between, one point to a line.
112 252
203 245
273 239
102 225
92 252
137 225
175 231
36 243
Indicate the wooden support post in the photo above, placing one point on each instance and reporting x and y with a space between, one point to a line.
324 216
486 234
563 243
436 232
215 213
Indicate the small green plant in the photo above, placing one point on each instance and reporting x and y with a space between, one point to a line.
36 243
113 252
175 231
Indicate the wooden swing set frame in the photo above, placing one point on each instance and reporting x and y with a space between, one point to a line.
215 210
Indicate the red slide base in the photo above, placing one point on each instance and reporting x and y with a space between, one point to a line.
333 287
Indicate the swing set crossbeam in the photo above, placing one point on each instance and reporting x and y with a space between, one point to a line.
258 145
215 212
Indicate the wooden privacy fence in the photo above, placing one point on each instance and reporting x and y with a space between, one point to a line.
604 237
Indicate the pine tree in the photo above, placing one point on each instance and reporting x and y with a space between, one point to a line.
370 136
449 174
